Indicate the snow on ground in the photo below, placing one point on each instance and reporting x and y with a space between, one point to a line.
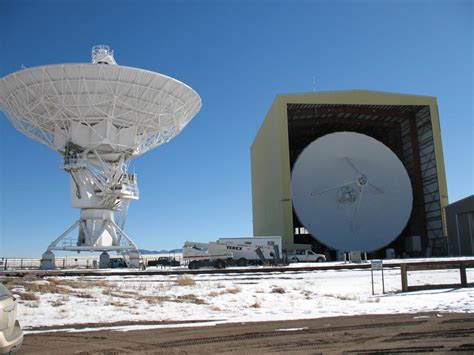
236 297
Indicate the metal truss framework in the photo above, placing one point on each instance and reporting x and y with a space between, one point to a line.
68 242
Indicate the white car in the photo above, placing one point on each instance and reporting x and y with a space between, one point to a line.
305 255
11 336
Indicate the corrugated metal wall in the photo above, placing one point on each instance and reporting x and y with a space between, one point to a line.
460 219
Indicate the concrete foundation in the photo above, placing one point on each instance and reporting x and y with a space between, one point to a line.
48 261
104 260
134 260
355 257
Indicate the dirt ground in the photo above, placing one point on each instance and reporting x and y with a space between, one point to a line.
388 334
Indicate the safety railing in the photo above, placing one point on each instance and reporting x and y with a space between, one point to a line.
462 265
67 262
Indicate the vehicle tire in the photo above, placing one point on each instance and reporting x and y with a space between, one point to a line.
319 260
193 265
219 264
295 260
242 262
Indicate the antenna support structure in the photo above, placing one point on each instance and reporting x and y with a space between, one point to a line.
98 117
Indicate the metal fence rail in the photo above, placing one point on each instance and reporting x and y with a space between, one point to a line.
92 262
462 265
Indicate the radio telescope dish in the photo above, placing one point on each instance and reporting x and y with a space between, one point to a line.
109 108
351 192
98 116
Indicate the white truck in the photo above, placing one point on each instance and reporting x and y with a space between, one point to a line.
232 251
253 250
198 254
305 256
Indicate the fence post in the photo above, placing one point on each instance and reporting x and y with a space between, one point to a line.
383 282
372 278
403 272
462 271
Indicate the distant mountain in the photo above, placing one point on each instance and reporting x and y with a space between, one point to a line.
145 252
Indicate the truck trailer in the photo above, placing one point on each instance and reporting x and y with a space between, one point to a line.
233 252
253 250
197 255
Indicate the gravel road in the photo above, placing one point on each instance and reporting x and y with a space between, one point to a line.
393 334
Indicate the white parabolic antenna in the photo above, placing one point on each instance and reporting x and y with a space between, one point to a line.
351 192
98 116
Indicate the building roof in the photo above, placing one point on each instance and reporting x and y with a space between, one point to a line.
467 201
357 92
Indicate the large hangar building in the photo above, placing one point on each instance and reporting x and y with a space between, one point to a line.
407 124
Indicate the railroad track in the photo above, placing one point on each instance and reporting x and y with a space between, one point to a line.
246 270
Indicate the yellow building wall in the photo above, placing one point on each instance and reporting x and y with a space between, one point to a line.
269 185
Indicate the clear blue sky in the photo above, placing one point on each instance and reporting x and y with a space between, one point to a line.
237 55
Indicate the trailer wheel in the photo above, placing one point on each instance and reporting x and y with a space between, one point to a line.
193 265
319 260
242 262
219 264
